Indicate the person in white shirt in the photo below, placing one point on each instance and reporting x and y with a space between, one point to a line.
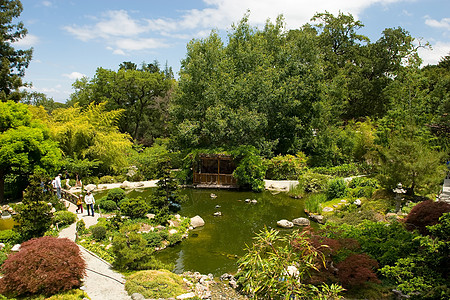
90 201
58 186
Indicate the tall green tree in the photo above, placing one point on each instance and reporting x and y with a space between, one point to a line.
13 61
90 138
143 93
257 90
25 144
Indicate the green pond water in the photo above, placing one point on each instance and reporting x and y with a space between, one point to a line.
215 247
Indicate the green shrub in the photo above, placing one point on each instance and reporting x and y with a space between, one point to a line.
108 205
344 170
131 252
155 284
313 182
363 182
81 227
336 189
153 239
63 218
250 170
134 208
312 203
90 180
9 236
116 195
285 167
175 238
98 232
106 179
362 191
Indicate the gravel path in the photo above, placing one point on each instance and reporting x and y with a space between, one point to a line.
101 281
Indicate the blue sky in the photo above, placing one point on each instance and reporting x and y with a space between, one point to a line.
72 38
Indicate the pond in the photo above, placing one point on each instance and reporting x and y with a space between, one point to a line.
216 247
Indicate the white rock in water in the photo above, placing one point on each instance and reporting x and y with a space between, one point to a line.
285 224
197 221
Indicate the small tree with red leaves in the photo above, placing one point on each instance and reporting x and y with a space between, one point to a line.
356 270
46 265
426 213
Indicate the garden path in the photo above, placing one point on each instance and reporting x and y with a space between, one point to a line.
101 281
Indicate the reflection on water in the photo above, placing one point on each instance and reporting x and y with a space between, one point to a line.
216 247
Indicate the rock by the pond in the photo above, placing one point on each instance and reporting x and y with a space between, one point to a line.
125 185
301 222
15 248
217 214
327 209
218 206
197 221
285 224
316 218
247 200
2 245
186 296
254 201
137 296
357 202
90 187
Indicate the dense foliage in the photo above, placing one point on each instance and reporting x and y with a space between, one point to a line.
13 62
26 145
278 265
34 215
45 265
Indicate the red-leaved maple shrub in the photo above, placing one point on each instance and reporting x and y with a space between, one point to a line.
356 270
424 214
45 265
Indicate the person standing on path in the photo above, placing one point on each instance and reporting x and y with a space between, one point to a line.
58 185
80 204
90 201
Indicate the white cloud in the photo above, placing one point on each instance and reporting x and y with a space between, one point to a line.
28 41
46 3
123 33
443 23
74 75
432 57
139 44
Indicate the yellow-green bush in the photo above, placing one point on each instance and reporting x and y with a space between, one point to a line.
155 284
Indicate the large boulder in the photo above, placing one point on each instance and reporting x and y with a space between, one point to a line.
317 218
125 185
285 224
197 221
301 222
90 187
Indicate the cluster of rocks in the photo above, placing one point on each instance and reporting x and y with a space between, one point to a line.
7 210
298 221
204 287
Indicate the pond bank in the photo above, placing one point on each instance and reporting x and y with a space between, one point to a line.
272 185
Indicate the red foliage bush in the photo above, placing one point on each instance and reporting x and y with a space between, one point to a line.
44 265
356 270
424 214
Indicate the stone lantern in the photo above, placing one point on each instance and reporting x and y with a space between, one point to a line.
399 191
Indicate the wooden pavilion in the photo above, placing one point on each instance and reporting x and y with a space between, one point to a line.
214 171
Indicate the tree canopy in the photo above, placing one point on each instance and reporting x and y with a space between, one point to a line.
13 62
25 144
